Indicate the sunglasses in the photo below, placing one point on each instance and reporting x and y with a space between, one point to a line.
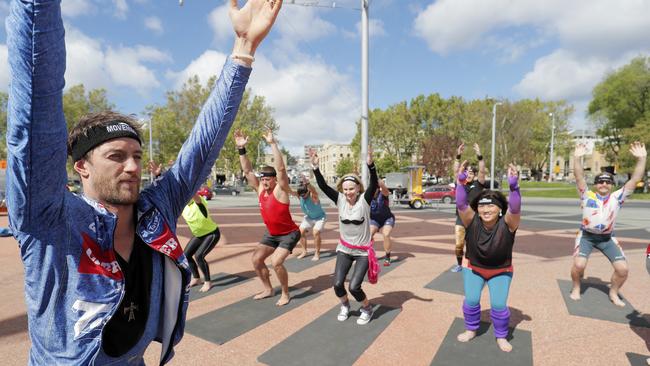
353 222
602 181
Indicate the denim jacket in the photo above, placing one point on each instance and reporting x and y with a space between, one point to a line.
73 283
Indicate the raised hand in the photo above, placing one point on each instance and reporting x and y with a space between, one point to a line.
240 139
154 168
268 136
253 21
461 148
477 149
581 150
513 176
637 149
313 157
369 159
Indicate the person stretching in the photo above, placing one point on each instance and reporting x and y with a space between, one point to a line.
381 218
206 236
599 210
281 234
355 244
491 224
314 219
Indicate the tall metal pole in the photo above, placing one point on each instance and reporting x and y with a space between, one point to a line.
150 149
494 138
550 160
364 91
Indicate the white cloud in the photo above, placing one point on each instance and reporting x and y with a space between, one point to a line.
300 24
300 108
205 66
126 68
154 23
593 37
121 8
4 68
219 22
97 65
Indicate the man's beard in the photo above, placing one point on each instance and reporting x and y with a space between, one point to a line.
111 194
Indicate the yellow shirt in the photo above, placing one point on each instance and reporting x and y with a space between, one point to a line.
199 224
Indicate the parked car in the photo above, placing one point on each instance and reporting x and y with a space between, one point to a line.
445 194
227 190
204 191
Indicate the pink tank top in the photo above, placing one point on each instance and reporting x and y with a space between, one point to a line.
276 215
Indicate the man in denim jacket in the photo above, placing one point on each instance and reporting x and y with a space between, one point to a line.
104 272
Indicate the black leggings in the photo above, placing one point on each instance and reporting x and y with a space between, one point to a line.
343 264
199 248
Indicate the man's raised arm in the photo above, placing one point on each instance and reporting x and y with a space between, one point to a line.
578 171
637 149
36 129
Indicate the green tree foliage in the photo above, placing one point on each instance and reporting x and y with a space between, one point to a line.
77 103
291 160
345 166
620 109
172 123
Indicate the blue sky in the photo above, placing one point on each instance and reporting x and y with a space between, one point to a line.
308 68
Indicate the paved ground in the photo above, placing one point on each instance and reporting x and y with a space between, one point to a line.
418 302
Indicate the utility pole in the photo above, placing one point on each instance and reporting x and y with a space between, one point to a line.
364 91
494 138
550 161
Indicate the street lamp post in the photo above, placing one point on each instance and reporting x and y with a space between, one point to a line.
494 138
364 91
550 161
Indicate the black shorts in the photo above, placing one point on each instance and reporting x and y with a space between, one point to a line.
287 241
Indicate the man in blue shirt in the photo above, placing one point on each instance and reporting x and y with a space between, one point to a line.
104 272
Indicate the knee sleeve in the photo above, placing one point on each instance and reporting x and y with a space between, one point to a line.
500 321
472 316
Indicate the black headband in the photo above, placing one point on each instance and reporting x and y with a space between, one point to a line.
350 178
489 201
604 177
100 134
267 174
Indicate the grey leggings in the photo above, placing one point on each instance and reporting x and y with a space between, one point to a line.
343 265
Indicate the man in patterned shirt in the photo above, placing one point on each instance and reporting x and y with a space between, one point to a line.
599 210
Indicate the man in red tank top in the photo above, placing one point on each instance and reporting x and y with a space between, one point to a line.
281 234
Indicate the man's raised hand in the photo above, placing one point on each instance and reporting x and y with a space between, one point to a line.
637 149
252 22
240 139
581 150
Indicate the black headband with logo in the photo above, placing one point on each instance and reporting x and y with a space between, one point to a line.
267 174
604 177
100 134
489 201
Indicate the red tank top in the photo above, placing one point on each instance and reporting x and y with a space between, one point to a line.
276 215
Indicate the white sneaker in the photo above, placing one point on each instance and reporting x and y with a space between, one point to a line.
365 317
343 314
456 268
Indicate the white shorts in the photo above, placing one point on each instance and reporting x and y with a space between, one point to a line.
308 223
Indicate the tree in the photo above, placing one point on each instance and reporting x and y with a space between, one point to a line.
77 103
291 160
173 122
345 166
620 109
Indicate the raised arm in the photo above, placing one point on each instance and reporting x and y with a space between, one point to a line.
36 129
373 182
459 153
578 171
313 193
637 149
251 24
247 168
513 215
481 165
465 213
280 168
320 180
382 187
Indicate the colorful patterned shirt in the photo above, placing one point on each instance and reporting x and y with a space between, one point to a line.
599 212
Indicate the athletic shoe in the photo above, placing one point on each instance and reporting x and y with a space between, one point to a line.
386 262
343 314
456 268
365 316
